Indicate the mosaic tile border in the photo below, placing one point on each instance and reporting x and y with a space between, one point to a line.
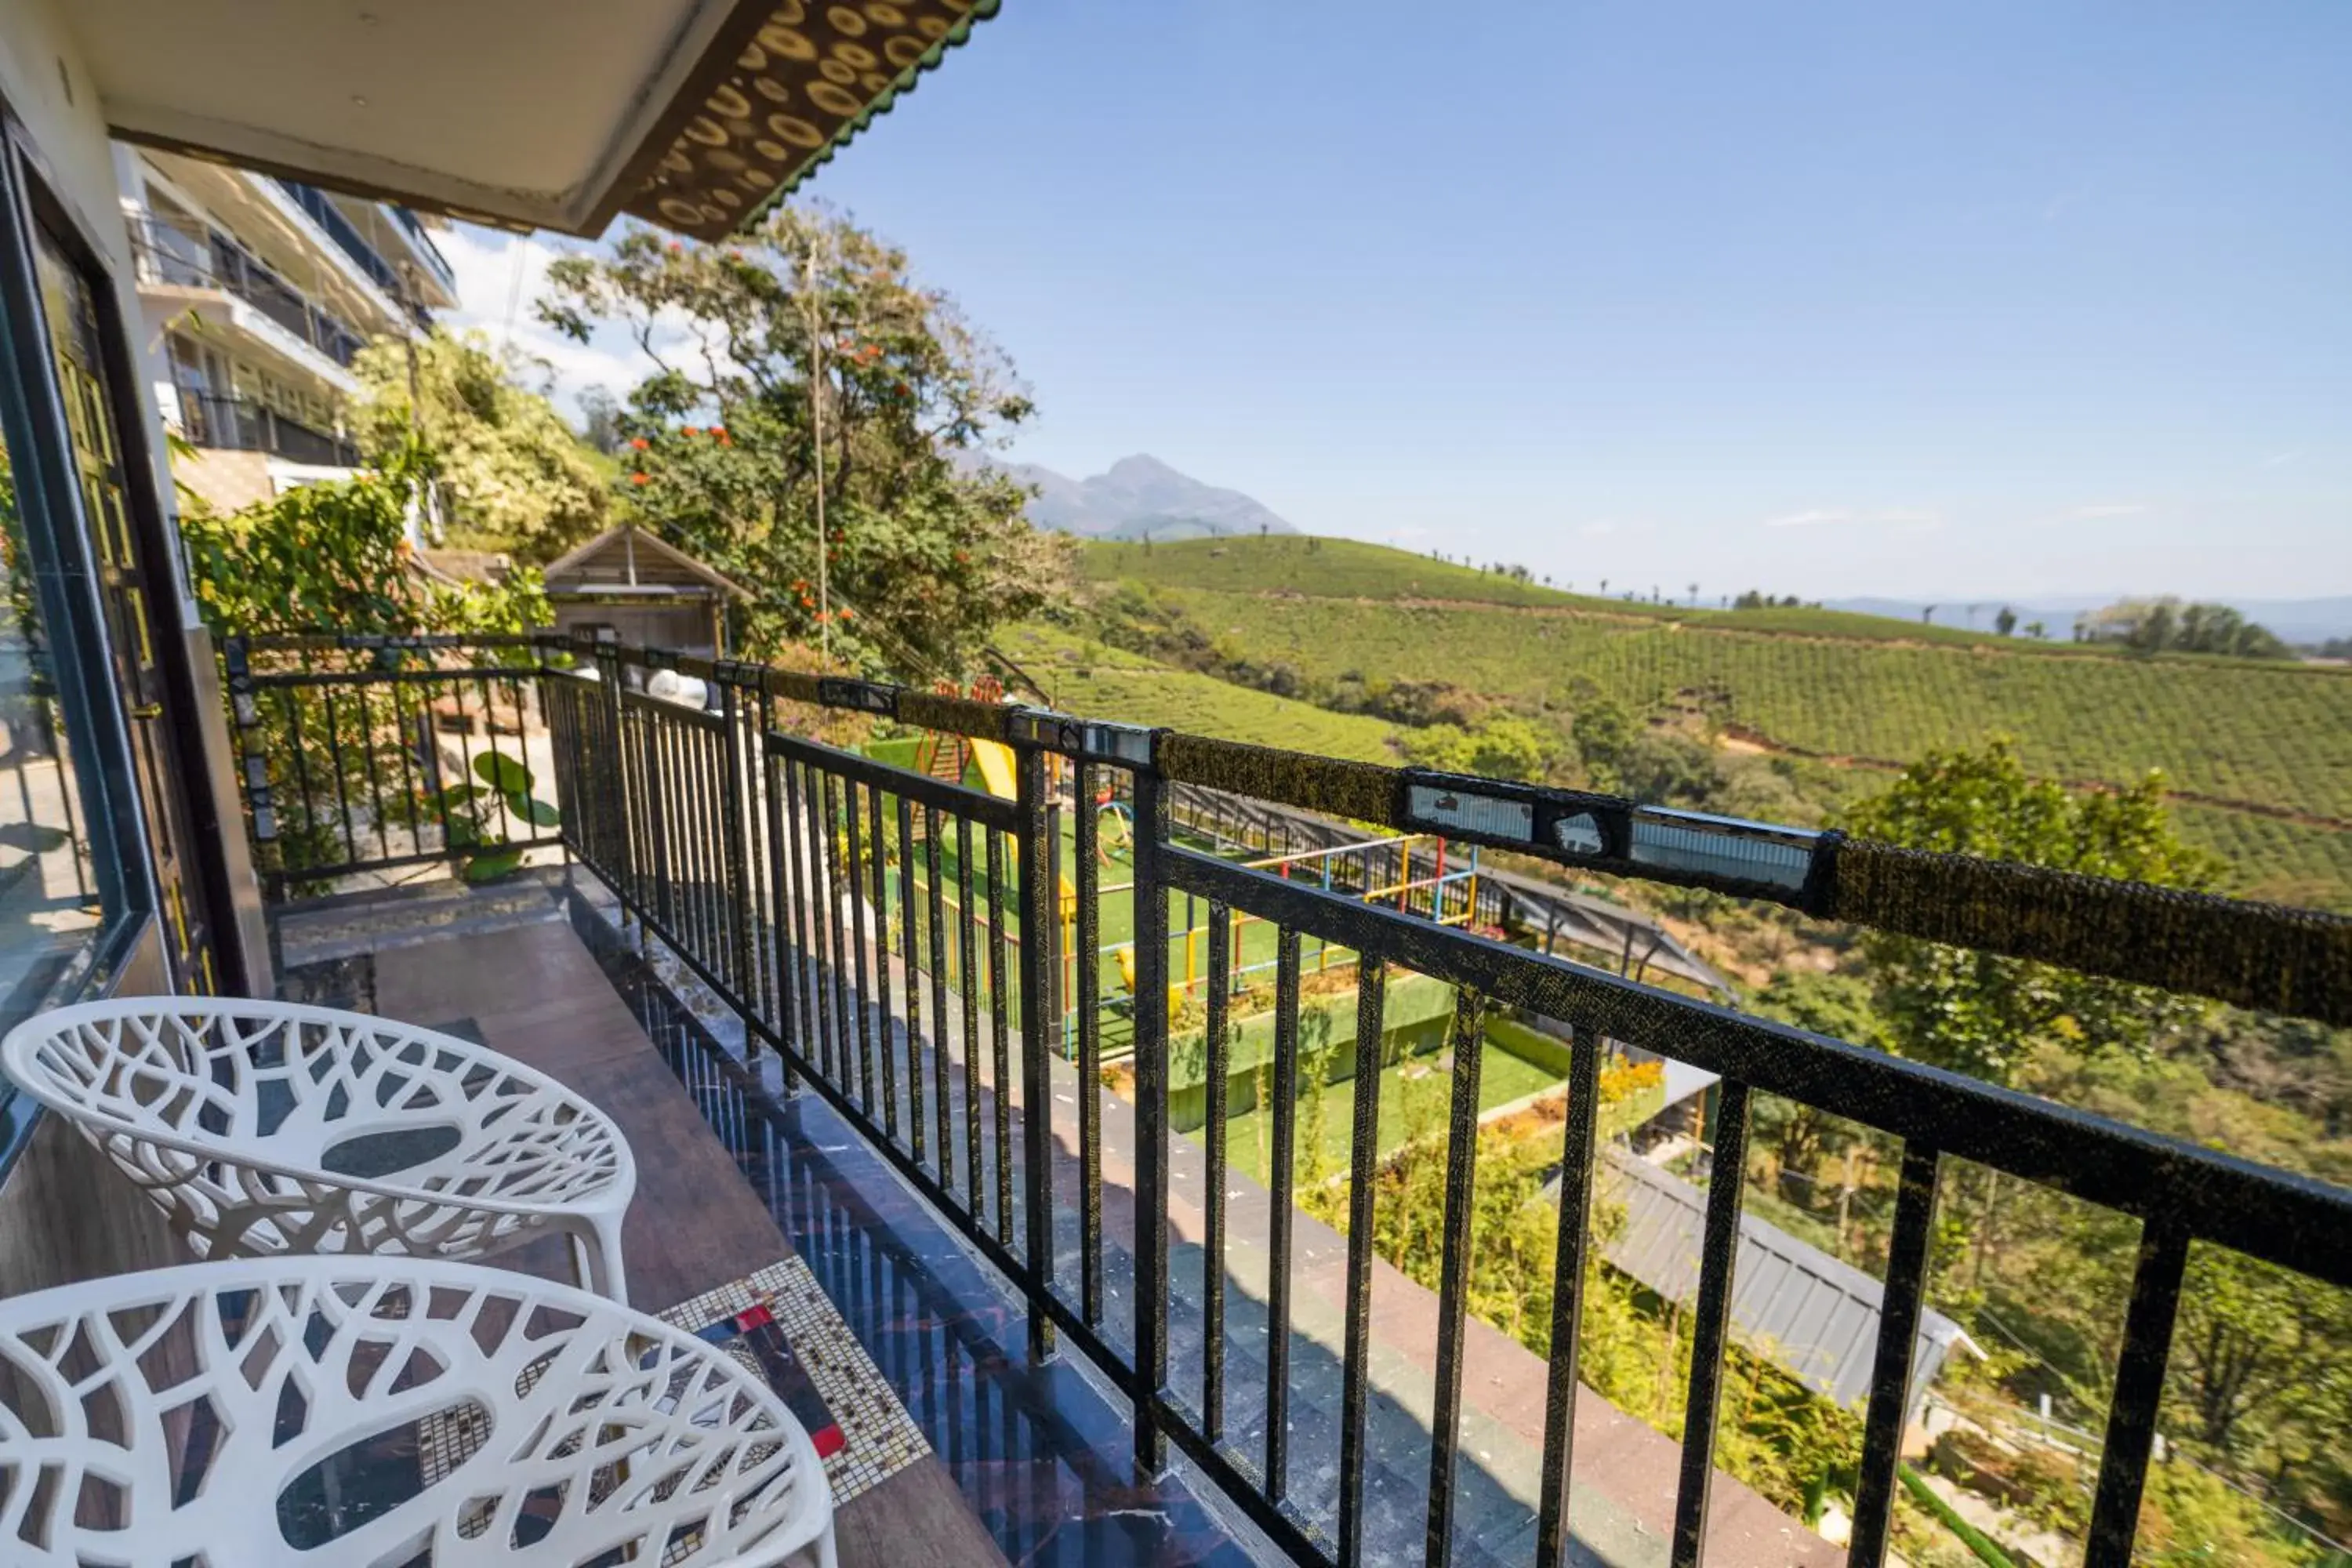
880 1437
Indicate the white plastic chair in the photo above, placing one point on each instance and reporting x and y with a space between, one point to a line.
267 1128
374 1412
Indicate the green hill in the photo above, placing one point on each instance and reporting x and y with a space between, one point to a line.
1083 677
2260 753
1350 568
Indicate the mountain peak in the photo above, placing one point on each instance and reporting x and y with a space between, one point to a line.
1138 495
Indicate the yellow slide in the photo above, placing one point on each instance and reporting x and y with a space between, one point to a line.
995 760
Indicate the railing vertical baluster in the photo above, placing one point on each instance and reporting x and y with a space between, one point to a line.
1454 1265
735 824
342 794
1088 965
780 907
1000 1018
1213 1196
881 945
759 822
658 812
933 826
2139 1392
490 743
1578 1151
808 955
856 920
968 987
310 817
1890 1373
838 874
1371 975
1711 1321
375 777
913 975
1283 1159
1039 908
1150 903
402 744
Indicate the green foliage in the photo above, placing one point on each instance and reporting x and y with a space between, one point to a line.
2168 625
1984 1015
509 474
924 555
478 815
334 556
1502 746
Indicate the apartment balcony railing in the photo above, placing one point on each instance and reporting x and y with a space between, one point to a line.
795 879
322 211
170 256
242 425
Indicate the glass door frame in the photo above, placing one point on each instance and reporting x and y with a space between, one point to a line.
33 420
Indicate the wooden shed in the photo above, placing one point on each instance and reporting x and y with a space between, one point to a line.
627 584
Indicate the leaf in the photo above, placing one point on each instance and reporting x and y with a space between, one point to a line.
503 774
491 867
538 813
460 794
463 834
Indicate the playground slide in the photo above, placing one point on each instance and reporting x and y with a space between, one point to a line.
995 760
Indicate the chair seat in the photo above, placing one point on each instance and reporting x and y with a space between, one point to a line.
268 1127
374 1412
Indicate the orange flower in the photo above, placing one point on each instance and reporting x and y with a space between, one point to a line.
640 443
719 434
641 478
845 613
691 431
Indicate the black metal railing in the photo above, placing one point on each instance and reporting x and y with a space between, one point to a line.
168 255
247 425
400 752
893 938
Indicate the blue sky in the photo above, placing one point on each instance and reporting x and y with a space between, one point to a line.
1825 298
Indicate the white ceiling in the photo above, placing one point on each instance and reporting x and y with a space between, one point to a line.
522 111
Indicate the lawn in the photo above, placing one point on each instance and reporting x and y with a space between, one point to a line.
1408 1106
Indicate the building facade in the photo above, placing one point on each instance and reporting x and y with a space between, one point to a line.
255 296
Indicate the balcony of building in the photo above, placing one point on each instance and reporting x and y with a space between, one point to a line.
226 423
184 271
1078 1302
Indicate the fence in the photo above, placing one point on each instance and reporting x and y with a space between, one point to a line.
807 885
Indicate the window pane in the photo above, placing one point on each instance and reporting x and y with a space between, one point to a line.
48 902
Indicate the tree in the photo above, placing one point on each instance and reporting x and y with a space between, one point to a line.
1982 1014
2006 622
600 420
507 471
1502 746
803 372
2168 625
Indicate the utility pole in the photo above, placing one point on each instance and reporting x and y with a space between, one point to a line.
816 446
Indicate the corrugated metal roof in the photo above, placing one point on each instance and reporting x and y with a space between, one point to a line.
1806 1311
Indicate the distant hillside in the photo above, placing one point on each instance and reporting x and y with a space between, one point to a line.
1141 496
2260 753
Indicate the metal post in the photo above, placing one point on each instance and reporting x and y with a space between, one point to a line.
1040 1020
1150 897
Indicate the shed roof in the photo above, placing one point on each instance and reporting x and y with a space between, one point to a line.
628 560
1809 1314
